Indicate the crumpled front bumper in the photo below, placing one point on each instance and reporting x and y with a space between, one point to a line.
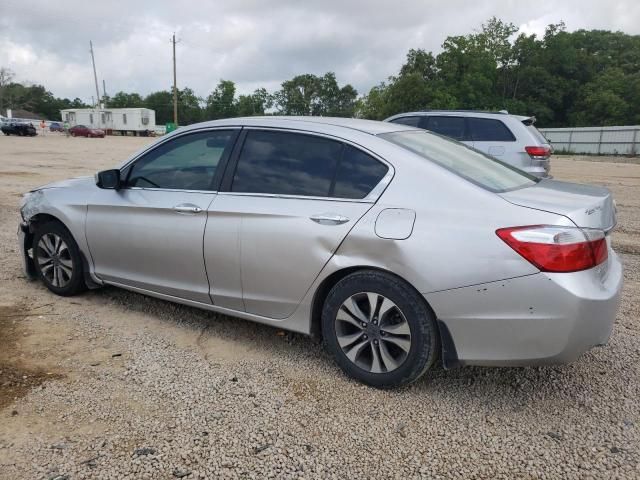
24 242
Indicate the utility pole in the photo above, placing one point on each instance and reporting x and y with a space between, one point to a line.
95 76
104 93
175 86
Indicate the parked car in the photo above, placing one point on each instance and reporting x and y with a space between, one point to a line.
395 244
84 131
512 139
19 128
56 127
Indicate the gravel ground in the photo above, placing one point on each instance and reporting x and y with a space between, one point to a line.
111 384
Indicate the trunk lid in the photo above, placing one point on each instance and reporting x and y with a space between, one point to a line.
587 206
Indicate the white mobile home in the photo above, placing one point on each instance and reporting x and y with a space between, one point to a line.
112 120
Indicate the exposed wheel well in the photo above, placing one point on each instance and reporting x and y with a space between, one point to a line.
42 218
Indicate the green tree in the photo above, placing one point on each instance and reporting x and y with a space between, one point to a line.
221 102
189 107
254 104
312 95
126 100
298 95
162 103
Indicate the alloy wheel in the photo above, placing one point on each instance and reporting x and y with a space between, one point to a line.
54 260
372 332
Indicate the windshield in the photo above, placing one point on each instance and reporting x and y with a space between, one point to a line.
537 134
465 162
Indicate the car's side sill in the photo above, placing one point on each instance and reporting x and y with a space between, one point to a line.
291 323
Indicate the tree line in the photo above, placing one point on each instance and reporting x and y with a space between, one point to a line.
581 78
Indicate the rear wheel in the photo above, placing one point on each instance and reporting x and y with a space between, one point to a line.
57 259
379 330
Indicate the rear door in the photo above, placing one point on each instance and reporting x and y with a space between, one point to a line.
448 126
290 199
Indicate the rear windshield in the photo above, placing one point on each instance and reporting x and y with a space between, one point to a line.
537 134
465 162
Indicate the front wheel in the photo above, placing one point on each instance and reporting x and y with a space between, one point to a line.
57 259
379 330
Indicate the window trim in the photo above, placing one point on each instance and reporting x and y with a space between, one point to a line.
125 170
232 164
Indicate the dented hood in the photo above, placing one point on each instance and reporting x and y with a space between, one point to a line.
587 206
70 182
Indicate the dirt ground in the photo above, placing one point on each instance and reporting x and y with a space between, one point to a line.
84 380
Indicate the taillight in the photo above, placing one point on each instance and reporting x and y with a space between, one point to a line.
557 249
538 152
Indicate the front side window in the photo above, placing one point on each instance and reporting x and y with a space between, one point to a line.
489 130
188 162
465 162
286 163
358 173
452 127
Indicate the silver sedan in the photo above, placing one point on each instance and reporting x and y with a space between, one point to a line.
399 247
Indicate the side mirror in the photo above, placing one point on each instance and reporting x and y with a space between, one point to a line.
108 179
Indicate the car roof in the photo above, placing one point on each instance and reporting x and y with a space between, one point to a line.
464 113
372 127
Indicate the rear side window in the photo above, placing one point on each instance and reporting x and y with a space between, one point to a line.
357 174
286 163
489 130
410 121
452 127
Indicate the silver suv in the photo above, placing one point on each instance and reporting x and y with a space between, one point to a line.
512 139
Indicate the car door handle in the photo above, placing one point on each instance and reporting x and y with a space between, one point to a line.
187 208
329 219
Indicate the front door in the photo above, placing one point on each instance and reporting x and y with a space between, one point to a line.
290 200
149 234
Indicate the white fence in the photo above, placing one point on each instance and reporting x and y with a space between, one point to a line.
595 140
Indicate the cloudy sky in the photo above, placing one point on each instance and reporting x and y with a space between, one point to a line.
255 42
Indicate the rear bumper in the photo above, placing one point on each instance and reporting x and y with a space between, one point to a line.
540 172
538 319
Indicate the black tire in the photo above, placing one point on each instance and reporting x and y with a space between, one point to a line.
424 337
73 284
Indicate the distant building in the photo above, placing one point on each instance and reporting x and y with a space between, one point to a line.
113 120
